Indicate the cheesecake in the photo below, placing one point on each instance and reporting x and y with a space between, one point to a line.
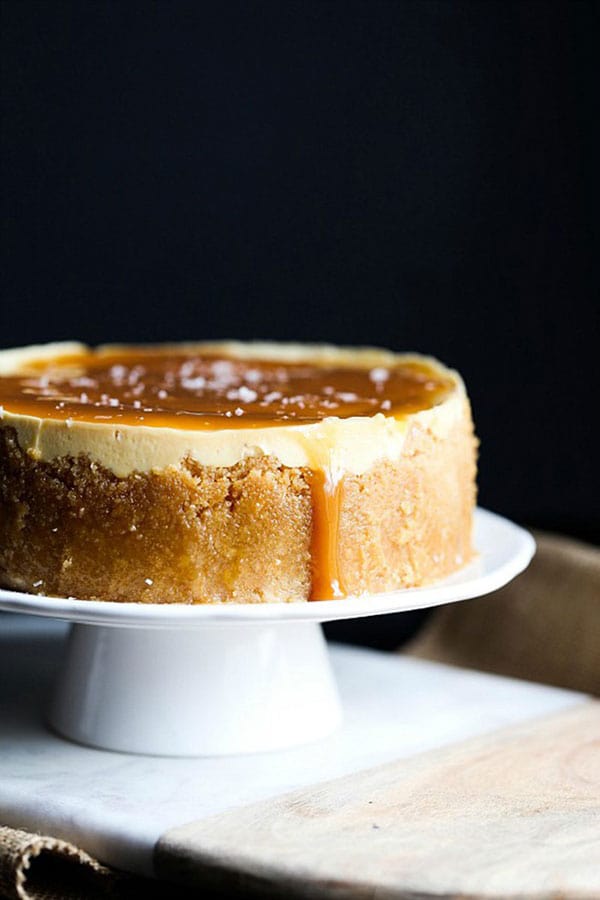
231 472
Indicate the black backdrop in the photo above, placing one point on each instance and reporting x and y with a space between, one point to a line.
412 174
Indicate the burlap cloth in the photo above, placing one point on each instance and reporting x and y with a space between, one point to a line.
32 865
39 867
544 626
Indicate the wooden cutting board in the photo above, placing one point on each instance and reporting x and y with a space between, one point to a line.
513 814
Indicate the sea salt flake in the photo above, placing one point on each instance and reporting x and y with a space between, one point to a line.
379 375
247 395
186 369
148 581
193 384
135 374
243 393
83 381
238 411
222 367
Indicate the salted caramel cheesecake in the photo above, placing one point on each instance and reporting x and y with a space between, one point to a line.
216 472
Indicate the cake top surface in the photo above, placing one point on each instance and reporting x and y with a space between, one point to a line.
216 386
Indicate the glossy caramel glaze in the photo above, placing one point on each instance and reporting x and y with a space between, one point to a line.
203 391
326 580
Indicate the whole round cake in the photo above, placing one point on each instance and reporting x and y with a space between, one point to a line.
215 472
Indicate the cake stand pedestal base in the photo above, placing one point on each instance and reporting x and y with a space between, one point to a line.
219 689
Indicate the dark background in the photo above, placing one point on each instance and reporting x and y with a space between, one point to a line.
412 174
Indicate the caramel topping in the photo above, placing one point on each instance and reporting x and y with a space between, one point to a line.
188 391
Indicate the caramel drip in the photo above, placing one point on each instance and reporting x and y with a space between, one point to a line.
326 583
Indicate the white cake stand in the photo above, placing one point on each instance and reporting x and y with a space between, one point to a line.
182 680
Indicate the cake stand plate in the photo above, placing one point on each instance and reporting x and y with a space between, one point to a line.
183 680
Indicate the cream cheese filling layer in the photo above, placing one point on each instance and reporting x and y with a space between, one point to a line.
335 445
